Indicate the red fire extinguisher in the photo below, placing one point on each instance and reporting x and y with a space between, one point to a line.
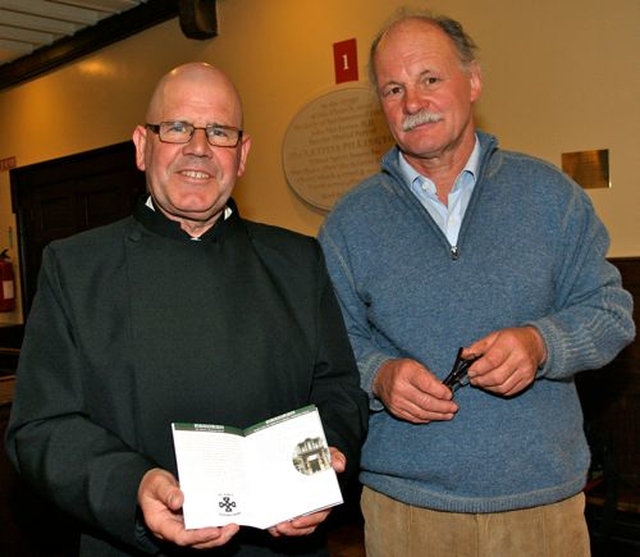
7 283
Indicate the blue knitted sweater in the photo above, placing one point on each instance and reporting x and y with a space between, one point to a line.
530 251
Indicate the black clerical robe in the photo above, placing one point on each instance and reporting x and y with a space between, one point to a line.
135 326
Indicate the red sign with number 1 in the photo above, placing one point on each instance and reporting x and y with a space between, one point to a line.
345 60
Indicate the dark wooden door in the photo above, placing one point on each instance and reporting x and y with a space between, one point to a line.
57 198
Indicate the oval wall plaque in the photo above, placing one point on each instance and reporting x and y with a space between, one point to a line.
333 143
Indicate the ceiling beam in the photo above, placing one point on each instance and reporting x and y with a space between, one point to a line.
198 14
30 9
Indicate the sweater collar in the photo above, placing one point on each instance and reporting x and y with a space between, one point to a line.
488 144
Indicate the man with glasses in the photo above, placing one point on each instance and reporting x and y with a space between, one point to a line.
456 243
184 312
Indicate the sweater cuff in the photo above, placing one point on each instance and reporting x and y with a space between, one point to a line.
368 371
545 330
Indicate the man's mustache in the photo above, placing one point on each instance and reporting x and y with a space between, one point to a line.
422 117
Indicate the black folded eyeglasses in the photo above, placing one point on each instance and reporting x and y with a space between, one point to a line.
458 377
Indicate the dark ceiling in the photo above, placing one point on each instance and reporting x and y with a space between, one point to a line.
37 36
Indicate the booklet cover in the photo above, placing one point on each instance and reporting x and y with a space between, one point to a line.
260 476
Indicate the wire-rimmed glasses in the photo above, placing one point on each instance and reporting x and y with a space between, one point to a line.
181 132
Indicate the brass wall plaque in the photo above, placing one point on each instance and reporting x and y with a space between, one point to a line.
590 169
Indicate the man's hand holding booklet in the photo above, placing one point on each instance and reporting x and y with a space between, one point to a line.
260 476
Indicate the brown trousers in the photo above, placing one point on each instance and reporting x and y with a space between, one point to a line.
394 529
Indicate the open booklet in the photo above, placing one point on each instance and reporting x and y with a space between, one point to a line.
260 476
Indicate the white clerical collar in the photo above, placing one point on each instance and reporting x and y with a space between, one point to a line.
227 210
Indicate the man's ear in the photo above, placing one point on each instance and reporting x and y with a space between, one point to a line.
245 146
140 140
475 79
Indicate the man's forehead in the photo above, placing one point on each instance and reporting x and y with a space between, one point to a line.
196 98
429 47
414 34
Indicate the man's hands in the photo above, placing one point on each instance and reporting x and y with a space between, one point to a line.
509 360
508 363
412 393
161 500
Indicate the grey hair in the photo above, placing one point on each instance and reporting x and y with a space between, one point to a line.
464 44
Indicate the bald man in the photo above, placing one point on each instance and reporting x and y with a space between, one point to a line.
183 312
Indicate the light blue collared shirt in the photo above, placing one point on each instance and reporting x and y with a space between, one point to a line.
448 217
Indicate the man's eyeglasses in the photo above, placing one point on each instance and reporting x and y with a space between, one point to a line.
458 377
182 132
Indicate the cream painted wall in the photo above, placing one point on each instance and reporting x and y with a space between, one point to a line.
559 77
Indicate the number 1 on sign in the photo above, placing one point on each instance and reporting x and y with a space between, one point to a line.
345 61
